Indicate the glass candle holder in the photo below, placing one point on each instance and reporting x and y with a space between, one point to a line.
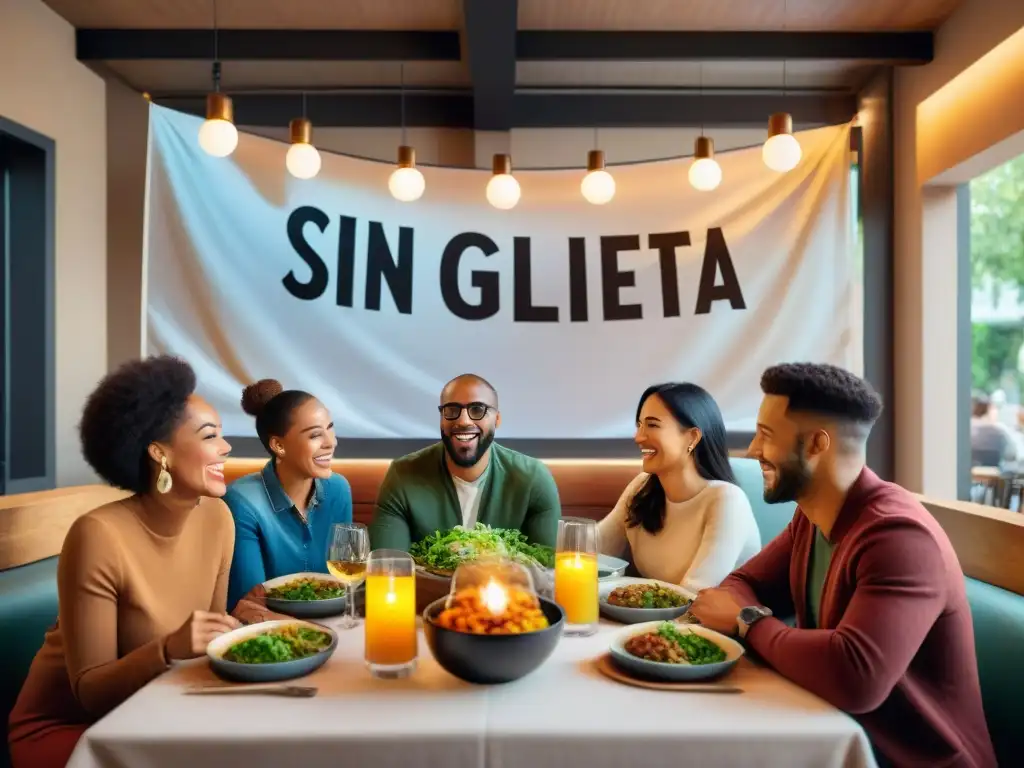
391 637
576 574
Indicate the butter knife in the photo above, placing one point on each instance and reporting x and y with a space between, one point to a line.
293 691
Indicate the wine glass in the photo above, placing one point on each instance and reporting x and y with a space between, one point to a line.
347 550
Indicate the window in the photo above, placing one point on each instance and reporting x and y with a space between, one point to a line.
997 335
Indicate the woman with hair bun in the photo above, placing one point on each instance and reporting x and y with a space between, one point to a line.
142 581
285 512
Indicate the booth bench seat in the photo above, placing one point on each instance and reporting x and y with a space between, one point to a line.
28 597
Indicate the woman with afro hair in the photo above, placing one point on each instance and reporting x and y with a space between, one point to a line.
284 514
142 582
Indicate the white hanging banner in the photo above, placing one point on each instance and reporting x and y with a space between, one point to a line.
569 309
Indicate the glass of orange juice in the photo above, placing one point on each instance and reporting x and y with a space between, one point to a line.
576 574
391 639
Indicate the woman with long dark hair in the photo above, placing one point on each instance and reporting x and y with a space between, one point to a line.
683 519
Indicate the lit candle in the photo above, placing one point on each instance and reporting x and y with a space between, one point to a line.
494 597
390 619
576 586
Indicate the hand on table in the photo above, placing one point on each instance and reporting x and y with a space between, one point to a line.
717 609
192 637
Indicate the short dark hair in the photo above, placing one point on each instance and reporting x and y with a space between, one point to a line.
822 389
478 379
272 406
980 404
141 402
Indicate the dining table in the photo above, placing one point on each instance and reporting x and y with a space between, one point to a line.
565 713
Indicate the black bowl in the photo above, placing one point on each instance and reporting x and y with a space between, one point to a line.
491 659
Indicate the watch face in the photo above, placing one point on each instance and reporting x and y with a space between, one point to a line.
751 614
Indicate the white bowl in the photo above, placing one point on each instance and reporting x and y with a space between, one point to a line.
266 673
306 609
675 673
637 615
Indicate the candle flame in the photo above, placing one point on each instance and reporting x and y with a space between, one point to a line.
494 597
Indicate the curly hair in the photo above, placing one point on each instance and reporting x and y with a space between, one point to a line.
140 402
272 406
824 389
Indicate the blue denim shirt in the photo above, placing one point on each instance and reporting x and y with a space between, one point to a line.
271 539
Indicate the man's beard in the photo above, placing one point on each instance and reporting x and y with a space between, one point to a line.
483 442
791 478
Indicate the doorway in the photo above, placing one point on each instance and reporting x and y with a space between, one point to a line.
27 398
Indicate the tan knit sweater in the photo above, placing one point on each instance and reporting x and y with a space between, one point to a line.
128 576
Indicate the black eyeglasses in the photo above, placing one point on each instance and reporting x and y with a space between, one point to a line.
476 411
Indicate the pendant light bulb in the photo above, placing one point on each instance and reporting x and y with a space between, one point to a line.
705 172
503 190
598 186
781 152
303 159
217 135
406 183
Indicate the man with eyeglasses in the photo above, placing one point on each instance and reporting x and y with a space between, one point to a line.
466 478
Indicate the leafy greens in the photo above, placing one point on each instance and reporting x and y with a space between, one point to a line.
444 551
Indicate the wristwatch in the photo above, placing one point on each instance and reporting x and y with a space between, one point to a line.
749 615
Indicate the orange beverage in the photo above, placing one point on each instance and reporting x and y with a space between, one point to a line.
390 619
576 586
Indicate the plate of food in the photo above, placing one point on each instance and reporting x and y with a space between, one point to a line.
669 651
439 554
306 595
632 600
442 552
271 651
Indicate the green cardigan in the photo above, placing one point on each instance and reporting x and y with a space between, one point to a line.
417 497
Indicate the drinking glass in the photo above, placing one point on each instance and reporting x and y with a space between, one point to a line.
347 551
391 639
576 574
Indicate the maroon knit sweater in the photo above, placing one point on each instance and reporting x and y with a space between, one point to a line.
896 644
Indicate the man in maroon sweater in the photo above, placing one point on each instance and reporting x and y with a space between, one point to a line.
883 625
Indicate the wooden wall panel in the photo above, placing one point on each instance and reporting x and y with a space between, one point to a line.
33 525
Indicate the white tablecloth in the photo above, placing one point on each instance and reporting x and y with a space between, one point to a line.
565 714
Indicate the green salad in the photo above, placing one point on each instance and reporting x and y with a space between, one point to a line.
444 551
669 644
284 644
307 589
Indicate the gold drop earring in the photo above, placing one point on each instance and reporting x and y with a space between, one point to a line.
163 480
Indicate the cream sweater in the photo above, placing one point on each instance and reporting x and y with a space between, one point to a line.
704 539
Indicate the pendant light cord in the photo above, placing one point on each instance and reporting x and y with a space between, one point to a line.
401 79
785 15
700 81
216 51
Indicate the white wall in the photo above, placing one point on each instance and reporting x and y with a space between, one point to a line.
43 87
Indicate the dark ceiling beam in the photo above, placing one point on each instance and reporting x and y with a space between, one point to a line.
437 109
546 109
883 47
490 30
493 43
664 110
267 45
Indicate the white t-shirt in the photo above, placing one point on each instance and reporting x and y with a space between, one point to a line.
469 498
704 539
